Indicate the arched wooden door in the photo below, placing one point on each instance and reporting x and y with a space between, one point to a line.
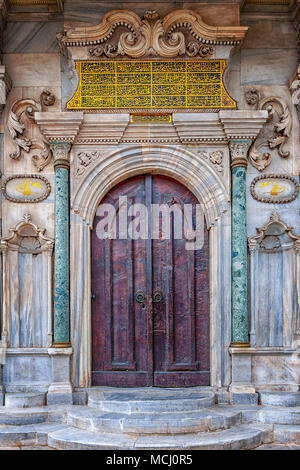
150 297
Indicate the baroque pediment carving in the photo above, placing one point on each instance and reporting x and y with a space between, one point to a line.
124 33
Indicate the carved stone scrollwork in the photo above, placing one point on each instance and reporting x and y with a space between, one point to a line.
274 235
274 134
47 98
28 237
84 159
122 32
295 90
252 96
22 112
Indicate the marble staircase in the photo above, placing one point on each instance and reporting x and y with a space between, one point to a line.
151 419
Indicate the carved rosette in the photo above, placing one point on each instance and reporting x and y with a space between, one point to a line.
124 33
215 157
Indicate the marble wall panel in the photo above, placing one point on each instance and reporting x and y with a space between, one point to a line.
276 371
29 70
27 370
267 33
31 37
213 13
267 66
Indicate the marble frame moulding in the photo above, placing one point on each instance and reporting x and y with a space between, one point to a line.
269 199
39 198
206 183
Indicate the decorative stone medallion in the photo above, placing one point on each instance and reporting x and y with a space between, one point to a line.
274 188
26 188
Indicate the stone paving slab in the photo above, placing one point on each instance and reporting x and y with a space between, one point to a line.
276 446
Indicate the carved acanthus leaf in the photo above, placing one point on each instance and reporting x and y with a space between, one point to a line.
279 124
16 124
123 32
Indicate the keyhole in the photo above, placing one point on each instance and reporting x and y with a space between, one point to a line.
143 306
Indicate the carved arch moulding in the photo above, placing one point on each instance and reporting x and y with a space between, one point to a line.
124 33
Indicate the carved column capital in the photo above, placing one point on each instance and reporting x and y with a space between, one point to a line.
61 153
239 152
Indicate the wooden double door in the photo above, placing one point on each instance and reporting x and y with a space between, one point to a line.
150 297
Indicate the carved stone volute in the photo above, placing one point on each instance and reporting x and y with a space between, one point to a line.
124 33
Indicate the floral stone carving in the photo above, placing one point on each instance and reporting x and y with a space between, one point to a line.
274 134
21 114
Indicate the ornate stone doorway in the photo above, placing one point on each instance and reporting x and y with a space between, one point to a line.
150 309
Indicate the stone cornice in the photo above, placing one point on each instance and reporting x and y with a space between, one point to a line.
242 124
59 127
199 127
116 128
102 128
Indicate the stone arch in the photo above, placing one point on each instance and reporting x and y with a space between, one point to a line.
198 175
181 164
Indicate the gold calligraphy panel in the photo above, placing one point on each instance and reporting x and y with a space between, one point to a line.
151 84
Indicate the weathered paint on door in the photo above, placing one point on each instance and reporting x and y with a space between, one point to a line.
150 304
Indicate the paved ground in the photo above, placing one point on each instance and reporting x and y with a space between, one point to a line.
272 446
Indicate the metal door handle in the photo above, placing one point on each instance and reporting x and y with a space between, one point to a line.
157 296
140 296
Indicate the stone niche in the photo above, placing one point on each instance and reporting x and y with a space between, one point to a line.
30 363
27 291
274 275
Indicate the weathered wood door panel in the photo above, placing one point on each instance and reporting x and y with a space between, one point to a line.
163 338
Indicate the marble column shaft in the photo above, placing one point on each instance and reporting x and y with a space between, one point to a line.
62 245
240 333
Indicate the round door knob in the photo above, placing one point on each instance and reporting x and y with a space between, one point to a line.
140 296
157 296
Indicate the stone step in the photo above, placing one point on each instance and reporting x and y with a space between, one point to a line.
28 434
271 415
280 398
205 420
158 401
24 416
238 437
287 433
24 400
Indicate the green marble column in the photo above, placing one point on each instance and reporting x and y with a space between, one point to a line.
61 325
240 333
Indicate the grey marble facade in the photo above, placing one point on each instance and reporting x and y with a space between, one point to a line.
265 61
